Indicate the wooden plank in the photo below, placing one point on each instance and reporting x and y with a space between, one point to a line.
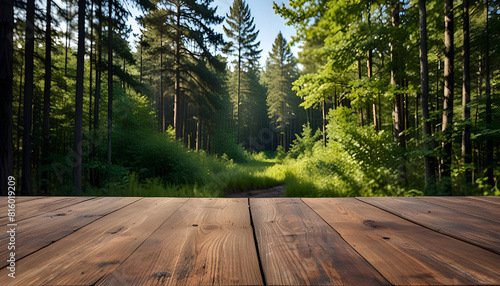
95 250
479 208
297 247
37 232
480 232
19 201
38 207
406 253
22 199
207 241
491 199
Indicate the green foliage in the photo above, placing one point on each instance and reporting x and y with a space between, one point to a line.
303 145
223 142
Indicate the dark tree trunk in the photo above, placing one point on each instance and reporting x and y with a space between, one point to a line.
140 69
198 130
110 77
424 86
28 97
90 62
466 141
161 106
6 80
97 95
177 78
77 151
448 96
489 143
361 121
68 30
98 68
19 120
46 98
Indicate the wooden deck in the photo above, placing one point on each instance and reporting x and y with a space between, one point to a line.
276 241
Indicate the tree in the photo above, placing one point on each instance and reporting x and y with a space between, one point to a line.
279 75
424 87
397 79
46 96
466 133
241 31
110 77
489 145
77 151
448 96
28 96
191 37
97 96
6 81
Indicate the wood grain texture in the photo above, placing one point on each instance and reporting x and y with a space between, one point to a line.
93 251
406 253
490 199
37 232
475 230
21 200
478 208
206 241
298 248
38 207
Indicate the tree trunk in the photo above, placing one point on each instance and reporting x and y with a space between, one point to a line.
396 76
369 65
424 87
6 81
140 67
80 61
448 96
489 143
28 97
46 98
162 97
177 77
90 62
238 98
398 104
110 77
361 121
19 122
324 123
68 30
466 141
198 130
98 72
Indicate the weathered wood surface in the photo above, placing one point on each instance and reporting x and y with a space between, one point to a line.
297 247
170 241
472 229
468 205
37 232
31 208
207 241
405 254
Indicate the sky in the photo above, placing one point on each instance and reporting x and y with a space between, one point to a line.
268 23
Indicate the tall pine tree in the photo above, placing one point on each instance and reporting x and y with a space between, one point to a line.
242 34
280 73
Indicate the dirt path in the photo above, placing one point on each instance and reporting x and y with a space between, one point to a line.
273 192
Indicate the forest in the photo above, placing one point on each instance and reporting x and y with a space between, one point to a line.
385 98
